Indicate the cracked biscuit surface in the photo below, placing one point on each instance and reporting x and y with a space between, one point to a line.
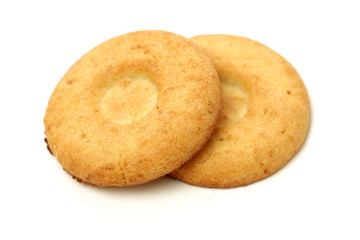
264 120
133 109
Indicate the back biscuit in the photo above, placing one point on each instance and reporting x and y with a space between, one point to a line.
264 120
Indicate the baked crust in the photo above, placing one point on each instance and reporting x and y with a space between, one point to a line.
271 131
96 148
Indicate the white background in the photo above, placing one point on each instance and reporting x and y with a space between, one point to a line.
316 196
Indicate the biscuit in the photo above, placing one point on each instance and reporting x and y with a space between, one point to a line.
133 109
264 120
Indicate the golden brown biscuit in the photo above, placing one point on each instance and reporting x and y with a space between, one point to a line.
265 115
133 109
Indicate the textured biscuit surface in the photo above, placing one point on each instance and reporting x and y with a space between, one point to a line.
133 109
264 120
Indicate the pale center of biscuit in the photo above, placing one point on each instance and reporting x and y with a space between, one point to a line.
235 103
129 99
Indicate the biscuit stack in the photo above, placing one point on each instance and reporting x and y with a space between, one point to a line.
214 111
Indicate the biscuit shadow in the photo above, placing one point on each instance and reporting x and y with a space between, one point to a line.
161 185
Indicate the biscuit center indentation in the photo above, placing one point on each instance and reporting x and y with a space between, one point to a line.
235 103
129 99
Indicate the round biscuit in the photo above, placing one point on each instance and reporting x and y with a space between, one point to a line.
264 120
133 109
